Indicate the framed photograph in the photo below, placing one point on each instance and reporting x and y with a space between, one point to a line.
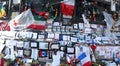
66 22
41 36
33 44
75 26
43 53
55 46
20 53
19 44
70 50
27 53
26 45
43 45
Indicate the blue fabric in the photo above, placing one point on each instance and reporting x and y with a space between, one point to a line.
44 53
82 56
92 42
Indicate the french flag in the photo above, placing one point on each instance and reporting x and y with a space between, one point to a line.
92 45
43 53
68 8
68 59
84 59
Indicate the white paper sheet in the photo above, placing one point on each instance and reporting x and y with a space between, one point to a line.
34 54
9 43
33 44
66 37
88 30
20 53
56 24
94 25
22 35
56 60
41 36
34 36
55 46
29 34
74 39
16 1
19 44
2 41
29 60
50 35
57 36
26 45
70 50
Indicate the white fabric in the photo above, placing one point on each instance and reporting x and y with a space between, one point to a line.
84 19
85 60
56 59
23 20
113 5
69 2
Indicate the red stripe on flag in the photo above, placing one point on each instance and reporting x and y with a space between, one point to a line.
40 53
36 26
87 64
67 9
